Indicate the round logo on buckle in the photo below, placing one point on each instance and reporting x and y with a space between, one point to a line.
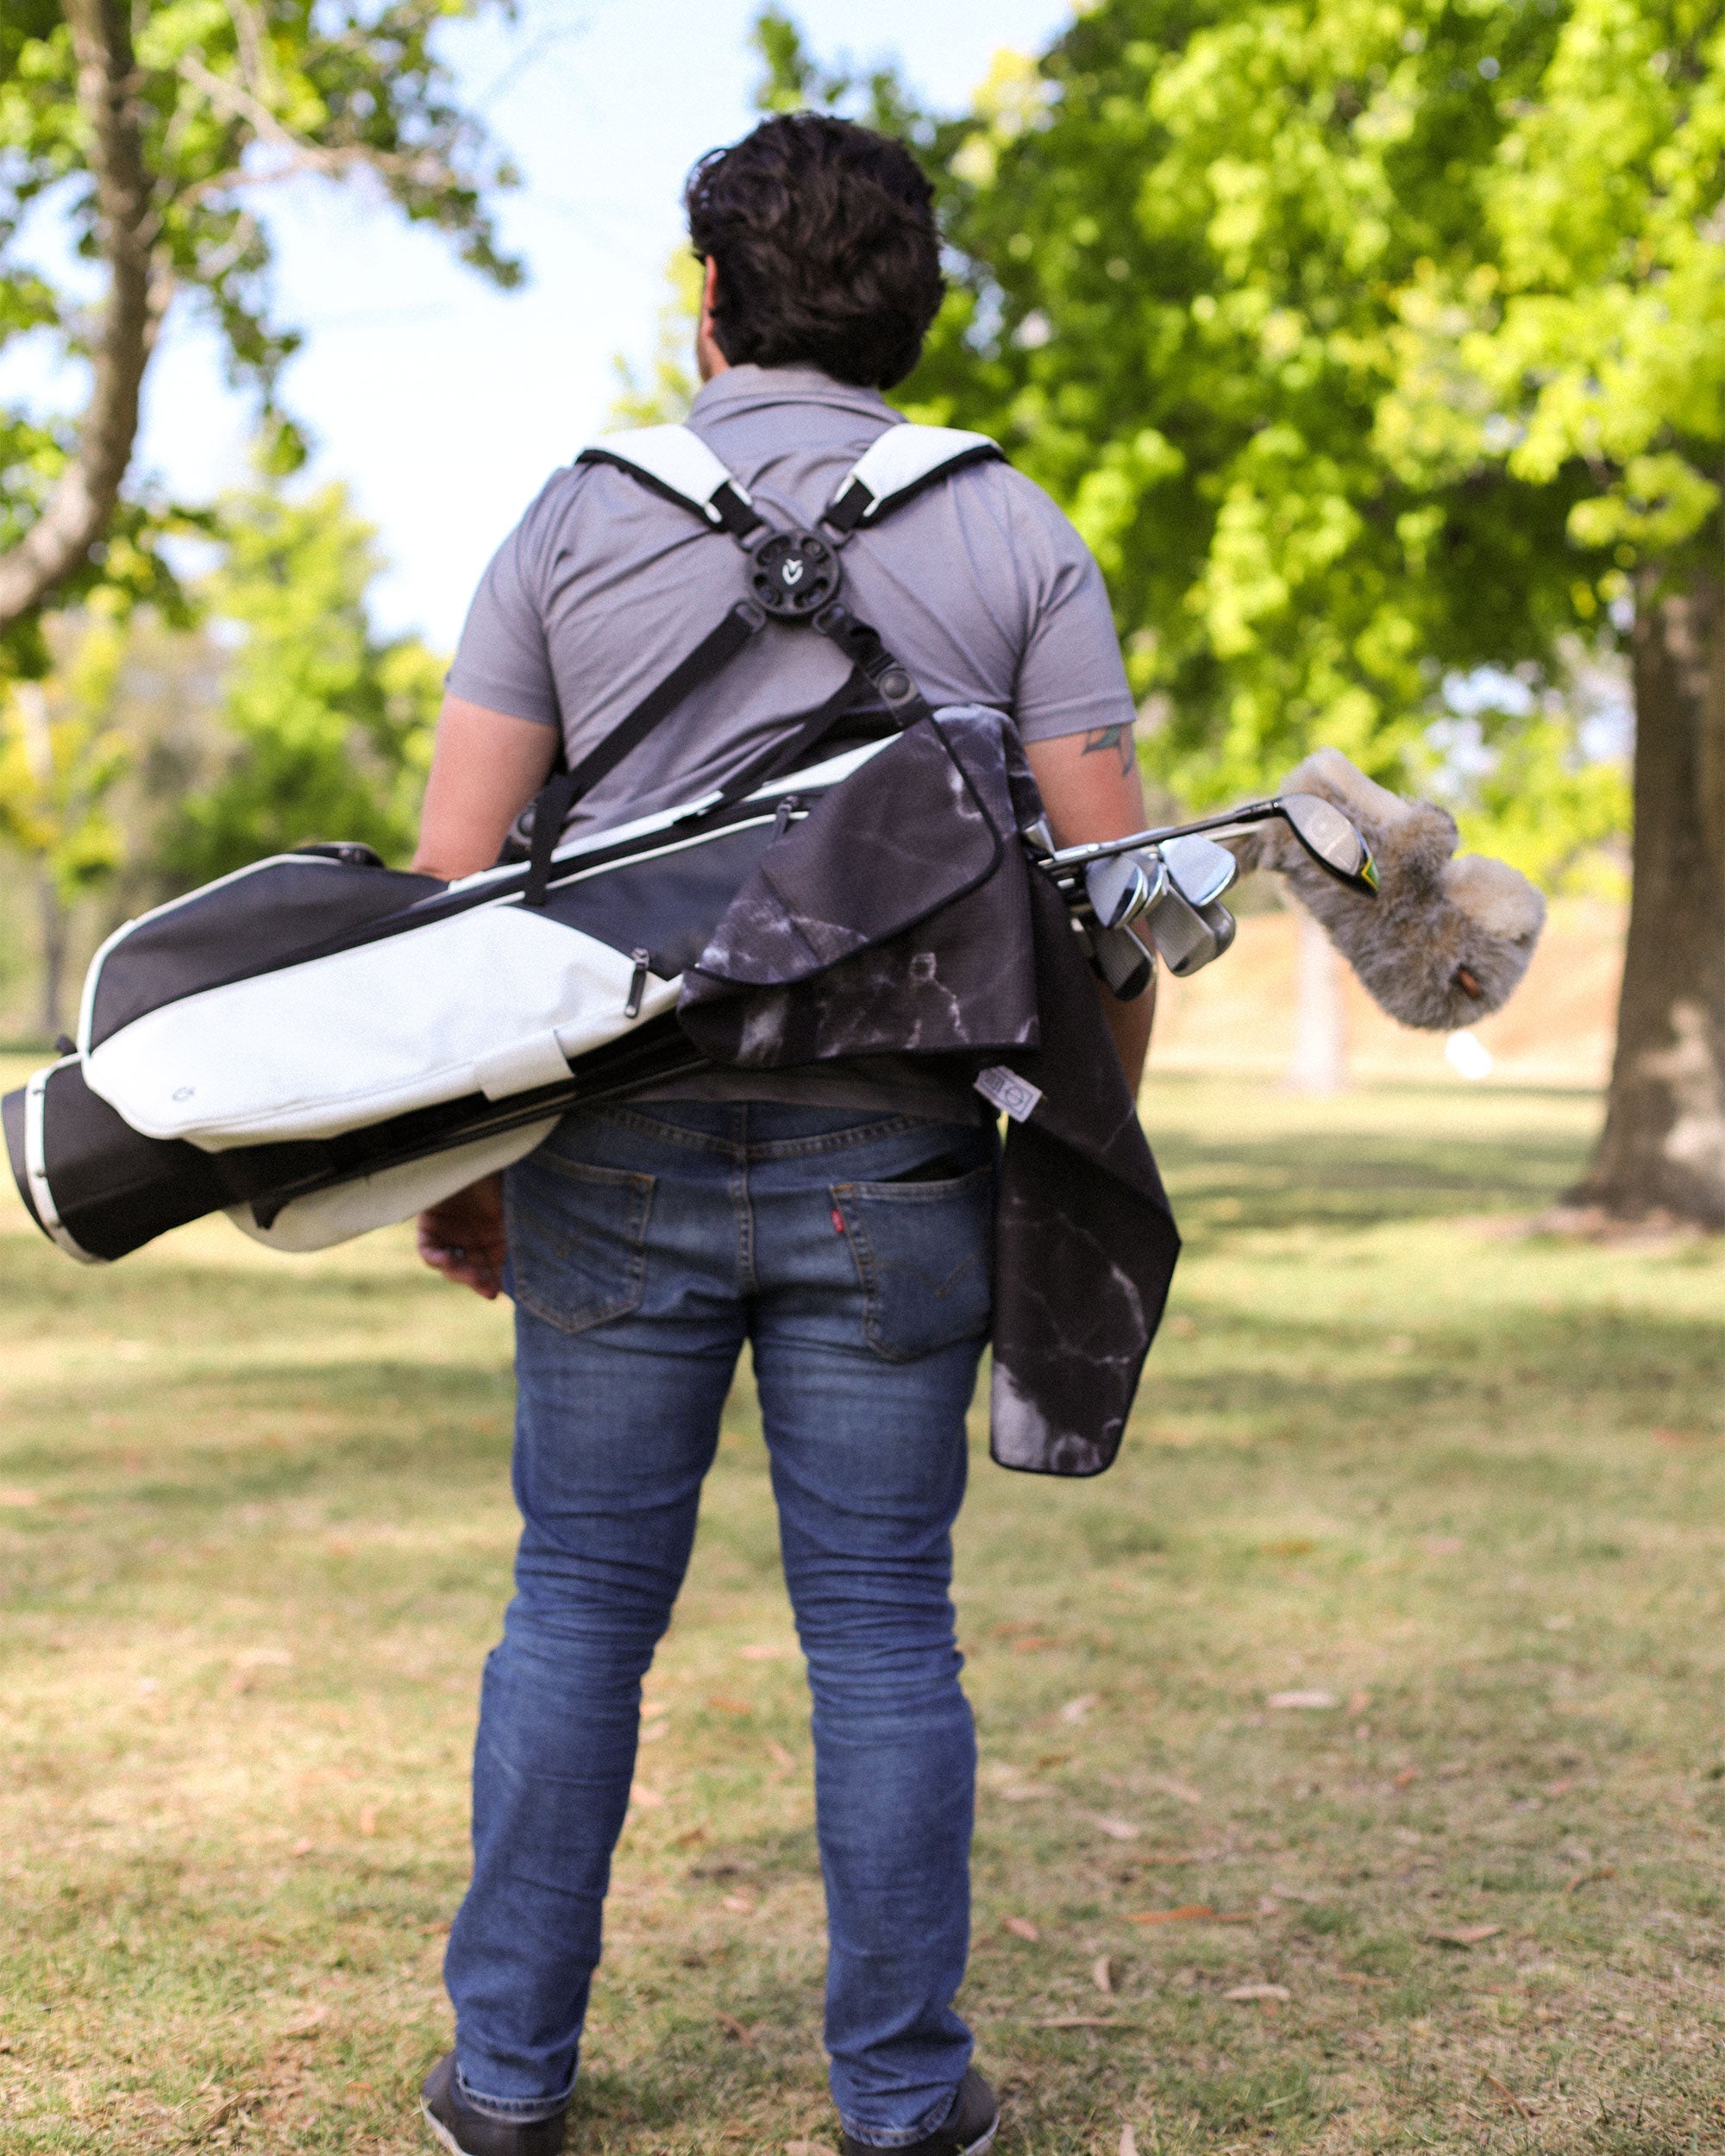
795 574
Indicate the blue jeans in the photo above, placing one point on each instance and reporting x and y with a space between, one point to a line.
646 1245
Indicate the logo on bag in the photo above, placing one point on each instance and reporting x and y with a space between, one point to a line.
186 1093
792 571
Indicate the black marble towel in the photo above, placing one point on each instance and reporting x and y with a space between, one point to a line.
904 917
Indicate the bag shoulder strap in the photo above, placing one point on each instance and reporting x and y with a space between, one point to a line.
676 462
900 463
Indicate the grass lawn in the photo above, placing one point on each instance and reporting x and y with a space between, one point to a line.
1463 1491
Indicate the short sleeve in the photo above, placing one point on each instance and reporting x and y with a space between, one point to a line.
1071 679
503 661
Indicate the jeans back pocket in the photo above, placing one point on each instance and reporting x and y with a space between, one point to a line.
577 1239
924 1253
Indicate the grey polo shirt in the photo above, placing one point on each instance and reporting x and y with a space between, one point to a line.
979 585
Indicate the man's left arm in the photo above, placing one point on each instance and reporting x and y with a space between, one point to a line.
1090 787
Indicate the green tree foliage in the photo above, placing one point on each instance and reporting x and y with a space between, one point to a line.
154 132
61 755
662 397
1195 239
325 728
1188 244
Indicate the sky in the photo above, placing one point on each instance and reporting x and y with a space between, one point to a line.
445 404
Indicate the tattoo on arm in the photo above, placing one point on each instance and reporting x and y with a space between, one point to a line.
1118 738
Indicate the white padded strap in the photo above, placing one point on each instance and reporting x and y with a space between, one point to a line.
899 463
673 460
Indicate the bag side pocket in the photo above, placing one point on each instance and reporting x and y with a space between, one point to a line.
577 1239
924 1253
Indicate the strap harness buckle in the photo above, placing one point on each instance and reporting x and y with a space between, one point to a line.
794 577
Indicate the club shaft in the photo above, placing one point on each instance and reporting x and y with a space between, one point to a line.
1080 856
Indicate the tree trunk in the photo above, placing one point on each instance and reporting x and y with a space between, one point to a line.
51 915
1664 1144
76 513
1319 1063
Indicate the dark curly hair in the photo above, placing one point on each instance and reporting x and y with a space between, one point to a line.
825 238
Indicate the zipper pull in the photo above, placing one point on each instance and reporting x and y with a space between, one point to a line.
782 822
637 984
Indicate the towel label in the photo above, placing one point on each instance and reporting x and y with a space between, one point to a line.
1013 1096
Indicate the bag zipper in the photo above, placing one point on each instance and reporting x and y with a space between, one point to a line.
637 983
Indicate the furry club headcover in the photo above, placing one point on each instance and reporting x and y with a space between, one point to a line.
1445 941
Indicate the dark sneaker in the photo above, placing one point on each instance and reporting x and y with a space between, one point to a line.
968 2129
466 2132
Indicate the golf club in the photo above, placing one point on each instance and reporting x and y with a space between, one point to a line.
1172 880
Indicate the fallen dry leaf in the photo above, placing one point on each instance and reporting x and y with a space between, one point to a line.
1118 1829
225 2111
308 2023
1074 2020
1075 1709
807 2149
1189 1913
1102 1975
303 1847
652 1732
1465 1934
1128 2142
768 1651
1590 1878
1508 2094
16 1500
649 1799
1244 1994
1303 1698
778 1754
368 1819
726 1705
1358 1702
739 2031
1034 1642
1021 1928
1181 1792
739 1904
1406 1775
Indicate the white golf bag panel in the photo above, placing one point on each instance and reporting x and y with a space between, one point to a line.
494 1000
448 990
324 1218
